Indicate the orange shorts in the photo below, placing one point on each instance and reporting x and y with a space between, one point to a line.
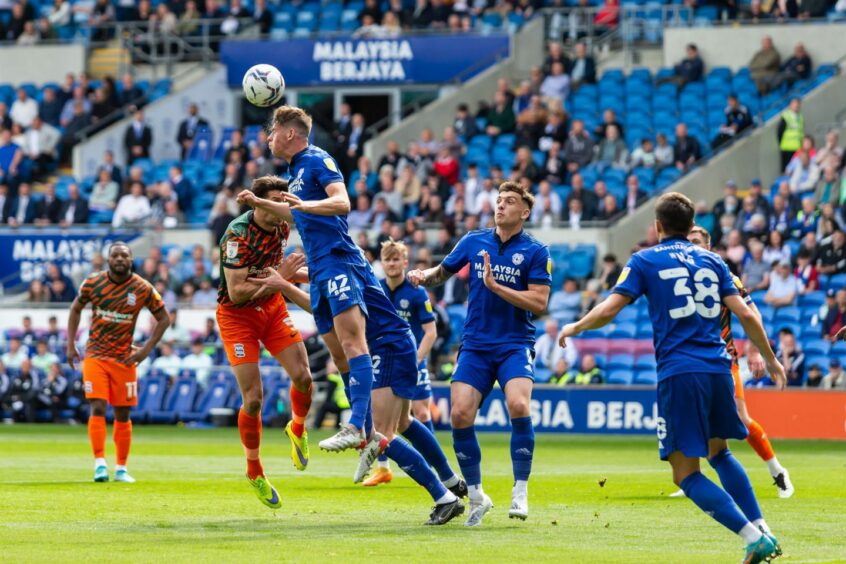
110 380
738 381
244 330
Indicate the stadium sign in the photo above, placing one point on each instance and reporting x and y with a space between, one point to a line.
568 410
420 60
24 254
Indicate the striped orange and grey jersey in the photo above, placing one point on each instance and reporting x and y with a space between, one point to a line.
725 319
115 310
246 245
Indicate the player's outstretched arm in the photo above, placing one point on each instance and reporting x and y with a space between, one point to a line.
73 326
751 323
338 202
599 316
281 209
754 359
162 323
430 277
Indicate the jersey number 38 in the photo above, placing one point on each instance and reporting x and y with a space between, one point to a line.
705 282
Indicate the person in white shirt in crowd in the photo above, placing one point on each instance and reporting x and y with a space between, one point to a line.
805 174
167 361
547 351
488 194
133 207
783 286
556 86
206 294
175 333
40 142
575 214
198 361
663 151
16 355
24 109
545 192
104 193
566 304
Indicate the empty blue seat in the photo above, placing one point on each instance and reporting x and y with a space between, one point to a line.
179 399
620 362
645 378
151 394
216 396
816 346
790 314
645 363
620 377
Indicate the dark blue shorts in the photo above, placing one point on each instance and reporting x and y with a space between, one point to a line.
336 285
395 367
481 369
423 390
693 408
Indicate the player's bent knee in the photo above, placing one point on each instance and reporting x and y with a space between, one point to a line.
518 407
421 413
462 416
252 404
98 408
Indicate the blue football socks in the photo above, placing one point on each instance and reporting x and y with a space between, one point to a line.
426 444
413 464
469 454
522 447
711 499
736 483
360 383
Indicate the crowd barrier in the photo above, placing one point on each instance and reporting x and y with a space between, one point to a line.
631 410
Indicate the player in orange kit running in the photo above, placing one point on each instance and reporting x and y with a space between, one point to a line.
757 437
108 371
250 314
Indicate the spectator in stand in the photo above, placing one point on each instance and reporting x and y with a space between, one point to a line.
634 195
607 17
447 166
75 209
262 17
545 193
358 136
583 68
797 67
686 150
48 209
547 351
556 86
836 377
11 157
102 15
806 273
664 152
780 216
24 109
23 208
51 107
738 119
832 255
16 354
644 155
554 167
750 220
791 357
5 120
41 140
578 150
806 220
828 187
764 65
53 391
464 123
198 361
167 361
609 118
137 139
61 292
690 69
43 358
555 54
611 271
590 374
104 194
555 130
501 117
784 287
836 318
612 152
566 304
791 130
830 156
815 376
188 128
133 208
131 94
805 175
23 392
756 272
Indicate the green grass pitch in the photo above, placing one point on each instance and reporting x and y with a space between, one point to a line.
192 504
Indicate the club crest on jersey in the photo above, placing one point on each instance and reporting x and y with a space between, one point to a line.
130 299
231 249
404 304
517 259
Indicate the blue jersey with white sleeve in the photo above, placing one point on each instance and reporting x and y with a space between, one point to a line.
685 286
311 171
515 263
413 306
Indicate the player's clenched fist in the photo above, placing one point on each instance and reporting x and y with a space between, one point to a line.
247 198
415 277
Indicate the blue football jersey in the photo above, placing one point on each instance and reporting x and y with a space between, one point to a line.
413 306
685 286
311 170
520 261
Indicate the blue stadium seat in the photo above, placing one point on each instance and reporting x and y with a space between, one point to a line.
216 396
151 394
815 299
620 378
179 399
202 148
645 363
623 331
816 346
790 314
620 362
645 378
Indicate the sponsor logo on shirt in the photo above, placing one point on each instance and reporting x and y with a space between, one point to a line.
130 299
231 249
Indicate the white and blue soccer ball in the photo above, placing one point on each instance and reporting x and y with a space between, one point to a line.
263 85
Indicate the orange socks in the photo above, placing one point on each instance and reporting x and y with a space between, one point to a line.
250 429
758 440
97 435
300 404
122 436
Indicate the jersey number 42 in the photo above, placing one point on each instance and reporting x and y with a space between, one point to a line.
705 282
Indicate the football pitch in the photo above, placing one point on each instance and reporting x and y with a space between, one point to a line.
592 499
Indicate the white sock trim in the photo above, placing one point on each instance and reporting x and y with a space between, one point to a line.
120 467
386 464
448 497
450 482
774 467
100 462
761 524
521 486
750 533
476 493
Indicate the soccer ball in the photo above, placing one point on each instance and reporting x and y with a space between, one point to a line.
263 85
